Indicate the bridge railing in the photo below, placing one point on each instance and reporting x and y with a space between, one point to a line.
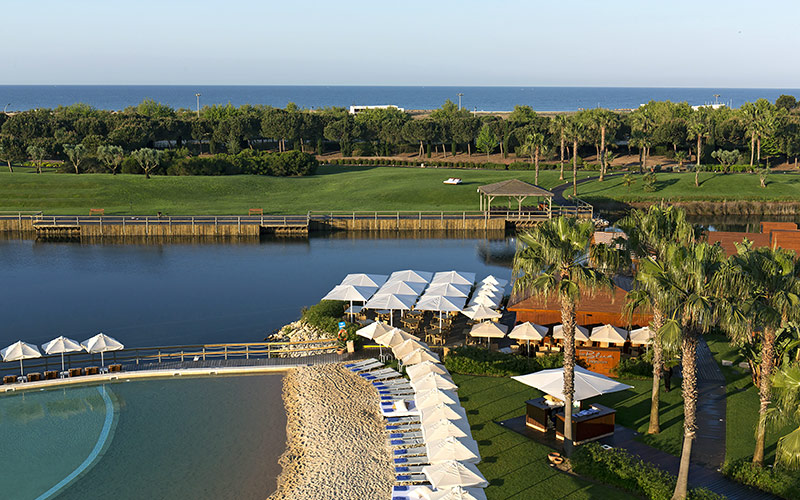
167 220
151 357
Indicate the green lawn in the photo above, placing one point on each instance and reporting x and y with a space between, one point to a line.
515 466
680 186
332 188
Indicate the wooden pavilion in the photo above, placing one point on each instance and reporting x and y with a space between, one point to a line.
516 189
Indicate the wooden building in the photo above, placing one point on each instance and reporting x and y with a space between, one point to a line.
773 234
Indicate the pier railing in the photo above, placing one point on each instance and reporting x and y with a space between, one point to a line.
167 220
151 357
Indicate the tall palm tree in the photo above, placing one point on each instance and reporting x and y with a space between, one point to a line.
649 234
689 277
642 124
552 259
698 129
604 121
764 294
558 127
785 409
576 132
532 146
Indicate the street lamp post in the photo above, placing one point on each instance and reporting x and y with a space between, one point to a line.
459 100
198 104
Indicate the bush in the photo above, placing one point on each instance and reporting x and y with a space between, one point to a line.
473 360
618 468
776 480
247 161
635 368
325 315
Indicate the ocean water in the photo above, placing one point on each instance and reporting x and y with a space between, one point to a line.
23 97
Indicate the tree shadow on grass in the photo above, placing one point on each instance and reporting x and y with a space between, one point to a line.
340 169
660 185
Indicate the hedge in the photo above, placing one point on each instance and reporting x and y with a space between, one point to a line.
471 360
619 468
290 163
773 480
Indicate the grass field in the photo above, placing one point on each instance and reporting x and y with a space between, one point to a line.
344 188
332 188
516 467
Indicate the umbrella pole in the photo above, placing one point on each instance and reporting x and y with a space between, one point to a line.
102 361
21 372
62 361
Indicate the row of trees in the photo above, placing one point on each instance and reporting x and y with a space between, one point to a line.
691 288
763 129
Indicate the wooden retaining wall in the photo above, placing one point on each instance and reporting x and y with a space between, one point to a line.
409 224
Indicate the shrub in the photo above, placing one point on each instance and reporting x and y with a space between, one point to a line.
325 315
635 368
776 480
247 161
473 360
618 468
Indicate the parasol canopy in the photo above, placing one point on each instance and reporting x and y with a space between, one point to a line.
642 336
452 474
609 333
581 333
588 384
369 280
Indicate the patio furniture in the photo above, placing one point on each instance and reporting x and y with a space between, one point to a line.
9 379
75 372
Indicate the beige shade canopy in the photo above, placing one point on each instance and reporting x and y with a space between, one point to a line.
463 449
488 329
418 356
424 368
433 397
448 290
581 333
434 381
642 336
587 384
455 493
609 333
445 427
479 312
374 329
407 347
394 337
455 277
528 331
452 474
370 280
440 411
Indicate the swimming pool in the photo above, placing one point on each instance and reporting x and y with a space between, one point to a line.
205 437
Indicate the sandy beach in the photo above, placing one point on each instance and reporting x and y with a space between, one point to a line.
336 443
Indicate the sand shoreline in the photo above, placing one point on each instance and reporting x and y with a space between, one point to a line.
336 441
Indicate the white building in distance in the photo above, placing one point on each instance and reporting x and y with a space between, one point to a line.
354 110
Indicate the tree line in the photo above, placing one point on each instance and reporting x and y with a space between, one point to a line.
691 288
756 133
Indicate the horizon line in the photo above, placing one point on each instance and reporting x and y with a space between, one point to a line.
379 85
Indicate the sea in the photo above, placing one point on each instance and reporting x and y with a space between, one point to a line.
117 97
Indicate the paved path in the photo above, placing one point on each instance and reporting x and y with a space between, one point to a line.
558 191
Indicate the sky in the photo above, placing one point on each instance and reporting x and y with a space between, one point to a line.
649 43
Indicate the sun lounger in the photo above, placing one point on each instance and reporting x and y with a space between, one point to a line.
411 478
399 420
375 373
408 469
391 384
411 451
396 390
371 366
385 376
420 460
406 435
411 442
359 363
408 491
403 427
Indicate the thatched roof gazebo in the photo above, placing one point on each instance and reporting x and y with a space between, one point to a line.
512 188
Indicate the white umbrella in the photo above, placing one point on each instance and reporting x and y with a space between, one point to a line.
442 428
455 277
407 347
418 356
442 411
528 331
455 493
424 368
411 276
587 384
402 288
642 335
453 448
370 280
60 345
609 333
581 333
18 351
394 337
101 343
488 329
434 381
350 293
448 290
440 304
391 302
495 281
452 474
425 399
374 329
479 312
484 300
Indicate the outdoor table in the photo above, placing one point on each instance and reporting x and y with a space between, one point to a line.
588 427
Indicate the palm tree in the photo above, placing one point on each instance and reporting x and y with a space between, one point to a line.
698 129
602 120
576 132
642 124
649 234
532 146
764 294
558 126
785 409
689 277
552 259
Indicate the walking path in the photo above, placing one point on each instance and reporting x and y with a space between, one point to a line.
558 191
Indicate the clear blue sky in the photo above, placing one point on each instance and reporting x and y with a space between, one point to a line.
697 43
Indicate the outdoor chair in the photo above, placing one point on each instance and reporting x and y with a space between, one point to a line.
51 375
9 379
92 370
75 372
34 377
115 368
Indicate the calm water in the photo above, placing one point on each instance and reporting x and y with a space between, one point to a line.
172 294
21 97
203 438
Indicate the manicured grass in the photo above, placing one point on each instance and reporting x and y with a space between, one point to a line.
742 405
680 186
515 466
332 188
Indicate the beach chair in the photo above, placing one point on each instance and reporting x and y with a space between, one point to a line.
360 363
406 435
408 469
399 409
365 368
402 427
420 460
399 394
391 383
410 478
375 371
407 491
406 443
406 452
381 375
400 420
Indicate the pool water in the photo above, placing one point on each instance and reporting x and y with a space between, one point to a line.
205 437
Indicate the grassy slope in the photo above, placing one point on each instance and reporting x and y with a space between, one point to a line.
332 188
680 186
515 466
